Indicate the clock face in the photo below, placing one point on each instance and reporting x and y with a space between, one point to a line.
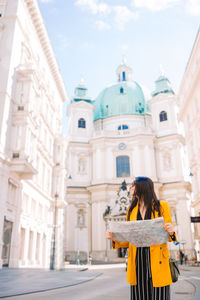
122 146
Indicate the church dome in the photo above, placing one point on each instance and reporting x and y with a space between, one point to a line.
122 98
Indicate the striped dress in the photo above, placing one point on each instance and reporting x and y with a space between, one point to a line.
144 289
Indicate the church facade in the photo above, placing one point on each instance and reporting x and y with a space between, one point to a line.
111 140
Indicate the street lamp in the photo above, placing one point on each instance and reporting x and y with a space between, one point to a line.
53 241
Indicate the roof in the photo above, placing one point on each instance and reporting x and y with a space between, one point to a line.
122 98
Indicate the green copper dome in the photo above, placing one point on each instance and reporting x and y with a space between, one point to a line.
122 98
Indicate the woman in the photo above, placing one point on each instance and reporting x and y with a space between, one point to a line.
148 269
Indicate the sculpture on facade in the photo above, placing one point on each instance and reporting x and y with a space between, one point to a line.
118 206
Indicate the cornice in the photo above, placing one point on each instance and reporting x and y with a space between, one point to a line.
40 28
171 137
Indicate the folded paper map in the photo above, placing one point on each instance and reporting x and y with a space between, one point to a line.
140 233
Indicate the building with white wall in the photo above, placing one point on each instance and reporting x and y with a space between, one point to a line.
115 138
32 148
189 102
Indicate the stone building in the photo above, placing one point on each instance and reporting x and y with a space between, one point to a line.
189 102
32 148
115 138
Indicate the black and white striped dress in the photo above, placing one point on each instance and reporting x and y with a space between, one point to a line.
144 289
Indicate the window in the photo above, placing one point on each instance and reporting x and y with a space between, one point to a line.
81 123
163 116
121 90
123 166
122 127
124 76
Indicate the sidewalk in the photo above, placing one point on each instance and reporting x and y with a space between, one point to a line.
192 275
25 281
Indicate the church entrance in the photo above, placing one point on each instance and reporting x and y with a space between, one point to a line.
7 234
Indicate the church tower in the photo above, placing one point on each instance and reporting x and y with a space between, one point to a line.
170 164
80 115
80 131
163 107
169 141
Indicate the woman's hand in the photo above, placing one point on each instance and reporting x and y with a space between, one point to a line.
169 228
109 235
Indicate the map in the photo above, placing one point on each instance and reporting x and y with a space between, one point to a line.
140 233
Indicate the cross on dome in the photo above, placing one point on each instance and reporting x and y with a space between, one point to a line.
124 60
82 81
162 71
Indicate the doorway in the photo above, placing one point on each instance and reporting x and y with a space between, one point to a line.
7 234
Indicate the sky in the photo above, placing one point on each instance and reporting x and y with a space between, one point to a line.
90 38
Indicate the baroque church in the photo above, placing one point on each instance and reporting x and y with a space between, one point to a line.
112 139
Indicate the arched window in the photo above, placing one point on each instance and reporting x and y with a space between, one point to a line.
124 76
163 116
81 123
121 90
123 166
122 127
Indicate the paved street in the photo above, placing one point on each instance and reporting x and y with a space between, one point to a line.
110 285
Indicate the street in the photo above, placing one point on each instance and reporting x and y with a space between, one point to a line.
112 285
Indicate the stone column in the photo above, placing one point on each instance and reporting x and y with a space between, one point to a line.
98 229
26 246
98 163
38 248
14 253
94 176
109 166
147 158
59 253
4 196
136 161
141 160
150 164
33 250
184 225
44 263
178 157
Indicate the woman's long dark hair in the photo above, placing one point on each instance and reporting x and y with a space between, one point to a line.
144 190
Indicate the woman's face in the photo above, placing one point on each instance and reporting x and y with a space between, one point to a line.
132 190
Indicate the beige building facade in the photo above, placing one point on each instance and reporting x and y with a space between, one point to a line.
189 102
32 148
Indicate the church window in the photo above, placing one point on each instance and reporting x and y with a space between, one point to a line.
123 127
123 166
81 123
124 76
121 90
163 116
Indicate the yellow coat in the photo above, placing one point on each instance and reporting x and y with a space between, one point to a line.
159 254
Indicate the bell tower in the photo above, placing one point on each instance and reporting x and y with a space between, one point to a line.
80 115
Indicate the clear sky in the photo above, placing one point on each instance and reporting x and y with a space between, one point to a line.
90 37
